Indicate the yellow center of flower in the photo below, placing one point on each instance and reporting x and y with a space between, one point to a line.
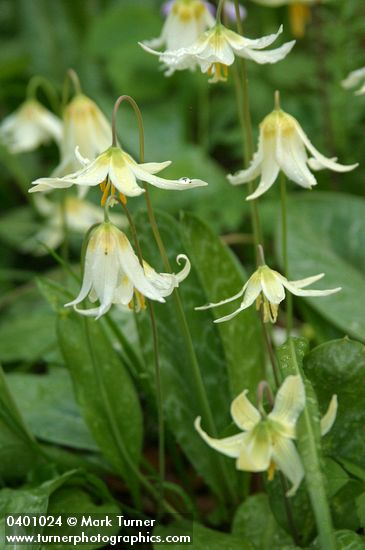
219 72
186 10
277 121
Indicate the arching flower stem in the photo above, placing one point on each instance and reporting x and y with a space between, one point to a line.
41 82
71 77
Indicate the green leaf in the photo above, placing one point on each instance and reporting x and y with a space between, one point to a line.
47 402
105 393
344 506
327 234
255 521
15 438
338 367
336 476
181 397
221 276
360 508
203 538
28 501
309 440
346 540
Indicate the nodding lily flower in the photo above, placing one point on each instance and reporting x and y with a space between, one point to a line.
266 441
116 170
282 146
186 20
267 288
78 215
114 275
355 78
30 126
215 50
85 127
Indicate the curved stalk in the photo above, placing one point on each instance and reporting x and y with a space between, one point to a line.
41 82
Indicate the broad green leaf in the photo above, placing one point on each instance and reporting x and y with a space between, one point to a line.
203 538
181 391
25 337
104 391
344 508
336 476
346 540
360 508
338 367
47 402
327 234
221 276
31 500
15 438
309 440
254 520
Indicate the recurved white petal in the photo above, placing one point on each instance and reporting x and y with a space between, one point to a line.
269 169
292 158
289 403
353 78
130 265
287 459
154 167
268 56
178 185
300 292
302 283
226 301
229 446
244 414
87 280
252 289
244 176
239 42
329 418
328 163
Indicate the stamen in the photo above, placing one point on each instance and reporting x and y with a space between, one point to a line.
271 471
105 194
123 198
102 185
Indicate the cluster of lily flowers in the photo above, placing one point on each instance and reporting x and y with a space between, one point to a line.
114 274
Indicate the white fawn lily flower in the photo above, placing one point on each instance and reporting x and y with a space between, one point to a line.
215 50
186 20
85 127
354 79
282 146
267 288
114 275
30 126
76 213
116 170
266 441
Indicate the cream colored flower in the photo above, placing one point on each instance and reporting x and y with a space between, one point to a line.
215 50
185 22
78 214
267 440
113 274
30 126
84 127
355 78
267 288
282 146
115 169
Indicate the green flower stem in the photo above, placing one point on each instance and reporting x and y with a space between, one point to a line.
206 411
160 416
71 76
41 82
219 11
243 97
116 434
284 240
314 477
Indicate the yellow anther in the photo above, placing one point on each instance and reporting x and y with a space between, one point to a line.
105 194
271 471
